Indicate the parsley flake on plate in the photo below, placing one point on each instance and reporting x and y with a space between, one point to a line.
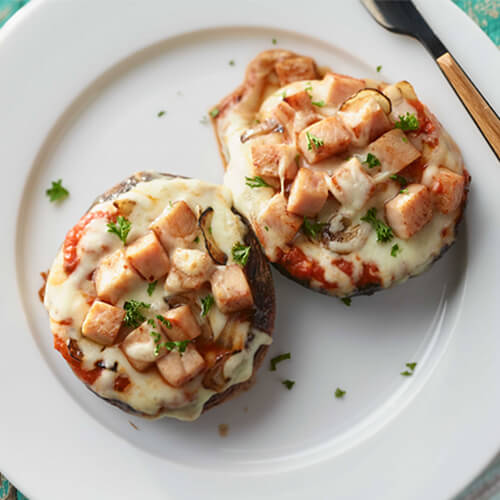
384 232
379 68
57 192
279 359
288 384
347 301
320 104
214 112
161 113
339 393
411 366
121 228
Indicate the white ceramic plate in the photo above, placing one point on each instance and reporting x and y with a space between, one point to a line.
81 84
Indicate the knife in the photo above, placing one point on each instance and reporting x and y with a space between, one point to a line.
401 16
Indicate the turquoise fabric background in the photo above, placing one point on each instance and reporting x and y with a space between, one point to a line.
486 13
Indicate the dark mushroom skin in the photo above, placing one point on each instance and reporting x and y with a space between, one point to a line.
367 113
262 316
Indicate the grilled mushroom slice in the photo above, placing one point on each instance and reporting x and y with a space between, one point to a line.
205 223
362 96
341 236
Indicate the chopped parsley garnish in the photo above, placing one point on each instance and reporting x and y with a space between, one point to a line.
57 192
206 303
313 140
133 314
399 178
197 239
404 139
240 253
151 287
407 122
165 321
379 67
309 89
312 228
151 322
346 300
179 345
231 62
320 104
409 373
214 112
161 113
274 41
288 384
384 232
283 94
404 191
121 228
371 160
339 393
266 228
279 359
395 250
256 182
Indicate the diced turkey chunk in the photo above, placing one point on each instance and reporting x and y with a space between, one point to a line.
144 345
351 185
190 269
177 369
408 213
295 69
366 123
335 89
102 323
183 324
448 190
323 139
284 114
305 112
276 226
308 193
114 277
230 289
148 257
176 226
271 160
394 151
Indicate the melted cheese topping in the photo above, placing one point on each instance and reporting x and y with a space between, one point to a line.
68 297
416 253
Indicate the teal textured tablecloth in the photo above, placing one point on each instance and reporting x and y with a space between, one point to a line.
486 13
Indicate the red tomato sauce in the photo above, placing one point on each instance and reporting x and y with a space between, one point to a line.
121 383
426 124
74 236
299 266
369 276
87 376
344 265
